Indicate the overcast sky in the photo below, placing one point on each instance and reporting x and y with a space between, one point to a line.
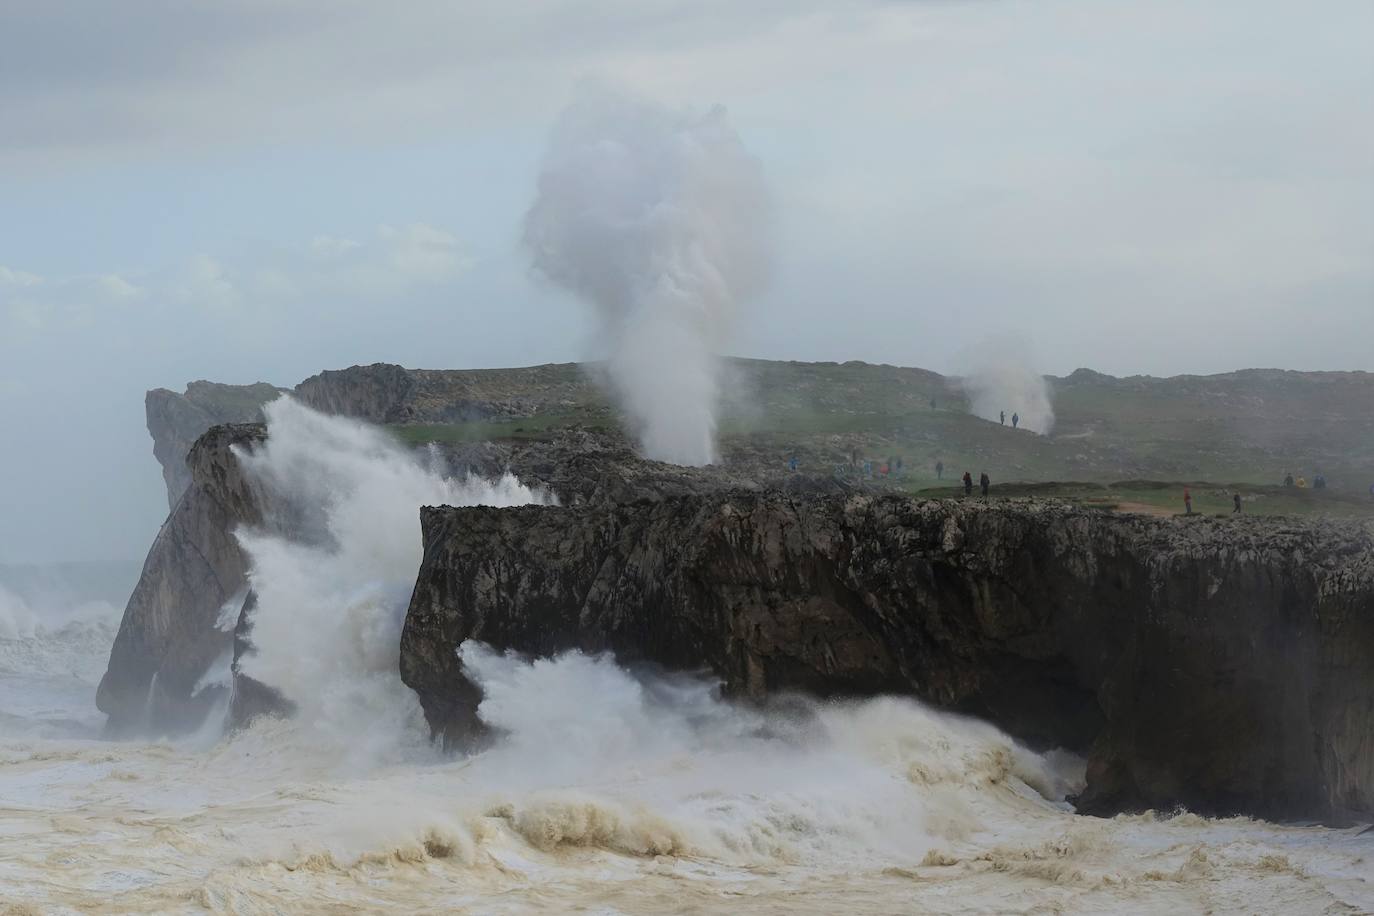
259 189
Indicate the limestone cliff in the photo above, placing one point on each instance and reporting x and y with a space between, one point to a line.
1225 665
180 618
176 421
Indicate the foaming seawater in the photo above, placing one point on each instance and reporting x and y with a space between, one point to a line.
607 790
629 793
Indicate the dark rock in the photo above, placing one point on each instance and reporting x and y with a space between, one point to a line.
251 698
192 581
1223 666
176 421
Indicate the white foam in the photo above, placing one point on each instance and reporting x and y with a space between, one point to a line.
334 566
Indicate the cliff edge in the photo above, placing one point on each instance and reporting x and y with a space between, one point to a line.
1223 665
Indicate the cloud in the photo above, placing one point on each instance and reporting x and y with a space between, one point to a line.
326 272
81 77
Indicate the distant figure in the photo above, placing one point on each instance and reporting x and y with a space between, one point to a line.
968 484
939 470
1302 483
793 463
1015 420
932 403
899 465
1287 479
1187 501
1003 417
868 468
1319 482
984 482
1371 490
1236 499
884 469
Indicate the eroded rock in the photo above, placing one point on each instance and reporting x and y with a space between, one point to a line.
1224 665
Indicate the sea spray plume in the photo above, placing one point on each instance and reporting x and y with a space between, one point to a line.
1001 378
659 219
334 564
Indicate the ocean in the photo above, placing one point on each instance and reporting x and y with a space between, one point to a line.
607 790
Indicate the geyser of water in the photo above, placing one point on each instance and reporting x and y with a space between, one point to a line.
1001 379
334 565
658 219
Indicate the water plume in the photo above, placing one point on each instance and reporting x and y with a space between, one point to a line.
1001 382
658 219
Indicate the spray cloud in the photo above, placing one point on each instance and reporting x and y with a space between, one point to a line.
334 566
658 219
1001 378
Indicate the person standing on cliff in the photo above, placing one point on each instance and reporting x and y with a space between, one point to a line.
1236 499
1002 418
984 481
968 484
939 470
1187 501
1015 420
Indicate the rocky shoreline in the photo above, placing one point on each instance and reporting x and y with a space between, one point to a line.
1225 665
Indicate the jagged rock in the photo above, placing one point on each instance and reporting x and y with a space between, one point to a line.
180 617
584 466
176 421
1225 665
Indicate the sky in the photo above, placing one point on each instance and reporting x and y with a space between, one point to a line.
260 189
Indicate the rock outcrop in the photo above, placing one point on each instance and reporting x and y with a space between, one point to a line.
176 421
180 619
583 466
1224 665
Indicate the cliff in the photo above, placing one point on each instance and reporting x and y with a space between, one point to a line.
176 421
1225 665
180 617
1241 426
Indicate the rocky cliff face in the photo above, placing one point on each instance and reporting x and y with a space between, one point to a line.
386 393
180 618
176 421
583 466
1223 665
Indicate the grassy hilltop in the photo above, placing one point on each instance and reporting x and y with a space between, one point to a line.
1244 428
1241 428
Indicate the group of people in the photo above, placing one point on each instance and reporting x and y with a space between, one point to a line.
1015 419
984 481
894 465
1318 482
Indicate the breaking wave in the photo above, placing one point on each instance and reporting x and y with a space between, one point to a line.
609 789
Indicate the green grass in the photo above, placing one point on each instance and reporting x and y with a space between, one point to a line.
482 430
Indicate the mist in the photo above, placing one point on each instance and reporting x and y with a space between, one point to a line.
1000 378
334 565
658 219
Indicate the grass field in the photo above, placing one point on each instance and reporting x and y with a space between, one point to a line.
1246 429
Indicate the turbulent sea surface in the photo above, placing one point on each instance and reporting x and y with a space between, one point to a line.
610 792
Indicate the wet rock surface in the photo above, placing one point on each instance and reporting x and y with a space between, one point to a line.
1224 665
180 617
176 421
